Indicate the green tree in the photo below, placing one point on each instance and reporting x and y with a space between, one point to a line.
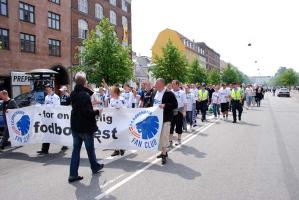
214 76
197 73
171 65
104 57
229 74
287 78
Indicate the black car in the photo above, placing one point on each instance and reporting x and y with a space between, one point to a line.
30 98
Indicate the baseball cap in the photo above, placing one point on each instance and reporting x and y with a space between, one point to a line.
49 85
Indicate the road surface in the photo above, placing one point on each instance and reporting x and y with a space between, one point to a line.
254 159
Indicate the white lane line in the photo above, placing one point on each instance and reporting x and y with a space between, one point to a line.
124 181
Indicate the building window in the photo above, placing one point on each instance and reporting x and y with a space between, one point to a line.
55 1
26 12
124 21
83 6
124 5
82 28
81 50
99 13
27 43
53 20
112 2
112 17
4 38
3 8
54 47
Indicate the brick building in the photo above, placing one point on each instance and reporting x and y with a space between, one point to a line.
213 58
45 33
33 35
86 14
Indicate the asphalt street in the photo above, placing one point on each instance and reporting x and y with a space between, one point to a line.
256 158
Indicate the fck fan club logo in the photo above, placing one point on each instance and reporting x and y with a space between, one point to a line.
20 124
144 127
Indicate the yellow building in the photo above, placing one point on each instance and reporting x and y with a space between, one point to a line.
188 47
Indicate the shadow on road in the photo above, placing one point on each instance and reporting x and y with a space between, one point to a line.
86 192
189 150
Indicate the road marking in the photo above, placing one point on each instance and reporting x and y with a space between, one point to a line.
124 181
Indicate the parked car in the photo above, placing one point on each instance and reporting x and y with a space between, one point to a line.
283 92
1 117
30 98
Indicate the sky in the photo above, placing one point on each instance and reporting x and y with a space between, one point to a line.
227 26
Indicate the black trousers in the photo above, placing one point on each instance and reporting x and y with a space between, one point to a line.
177 122
236 105
45 147
197 106
203 109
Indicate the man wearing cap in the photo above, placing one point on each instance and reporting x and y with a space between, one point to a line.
236 101
50 99
203 97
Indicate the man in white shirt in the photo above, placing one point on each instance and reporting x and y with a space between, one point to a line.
224 94
190 105
180 113
51 99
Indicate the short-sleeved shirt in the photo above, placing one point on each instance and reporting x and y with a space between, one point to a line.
52 99
158 98
215 98
117 103
190 101
223 95
195 93
180 96
128 98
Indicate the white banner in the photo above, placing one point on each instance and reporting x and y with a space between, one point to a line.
135 129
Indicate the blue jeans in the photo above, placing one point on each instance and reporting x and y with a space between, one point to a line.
189 117
215 109
78 139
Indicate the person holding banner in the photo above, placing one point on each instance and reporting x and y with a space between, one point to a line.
8 103
116 102
51 99
166 100
83 126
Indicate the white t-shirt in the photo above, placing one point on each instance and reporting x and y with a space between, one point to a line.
216 98
158 97
190 101
180 96
195 93
101 98
52 99
117 103
223 95
128 98
249 92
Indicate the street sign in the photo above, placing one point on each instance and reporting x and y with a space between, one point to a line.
19 78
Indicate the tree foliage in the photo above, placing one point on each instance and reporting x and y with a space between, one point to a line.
197 73
171 65
214 76
104 57
287 77
229 74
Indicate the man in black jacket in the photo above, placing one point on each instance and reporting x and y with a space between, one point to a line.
166 100
8 103
83 126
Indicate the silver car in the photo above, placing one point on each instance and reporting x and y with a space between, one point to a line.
283 92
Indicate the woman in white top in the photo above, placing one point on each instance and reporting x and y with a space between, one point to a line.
116 102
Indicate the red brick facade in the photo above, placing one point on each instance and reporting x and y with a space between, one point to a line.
15 60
